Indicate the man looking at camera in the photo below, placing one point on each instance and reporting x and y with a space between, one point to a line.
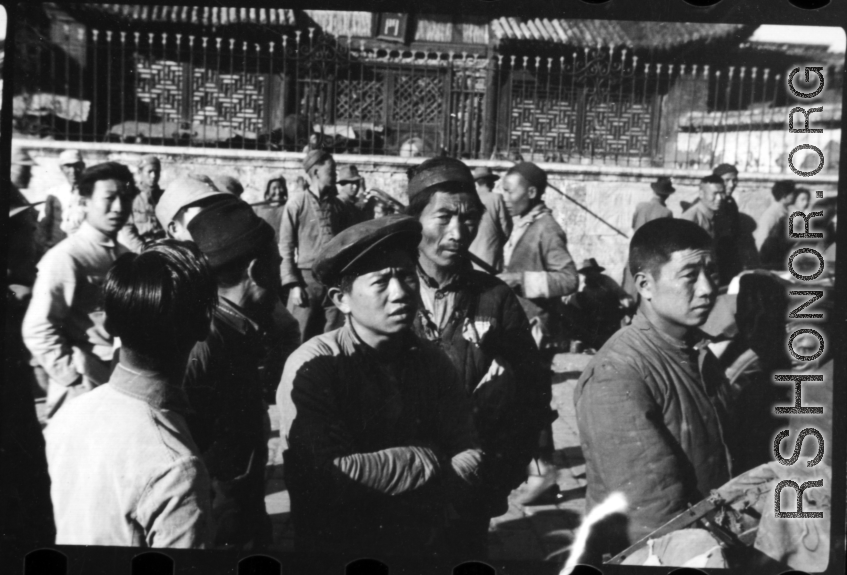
651 405
63 327
380 442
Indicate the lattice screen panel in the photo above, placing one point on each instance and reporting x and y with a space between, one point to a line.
360 100
543 125
234 101
618 128
418 99
159 84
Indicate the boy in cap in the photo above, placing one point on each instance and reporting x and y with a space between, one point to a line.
24 481
63 327
125 469
495 225
310 220
477 320
379 436
61 215
349 184
183 199
223 381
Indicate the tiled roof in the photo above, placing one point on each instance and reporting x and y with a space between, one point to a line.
195 15
634 35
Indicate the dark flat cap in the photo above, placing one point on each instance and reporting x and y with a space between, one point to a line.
450 173
531 173
315 157
663 185
229 231
342 252
722 169
485 174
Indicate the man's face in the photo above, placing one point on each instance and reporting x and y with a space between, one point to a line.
801 203
685 290
108 207
149 175
383 301
450 223
21 175
276 191
324 175
712 195
730 180
348 189
178 227
518 194
72 171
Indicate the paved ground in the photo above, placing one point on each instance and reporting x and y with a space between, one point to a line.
524 532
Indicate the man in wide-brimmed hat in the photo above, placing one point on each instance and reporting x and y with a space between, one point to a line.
656 207
598 308
310 220
495 225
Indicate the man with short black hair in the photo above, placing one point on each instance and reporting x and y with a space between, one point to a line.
63 327
651 405
310 220
223 381
125 470
712 195
477 320
380 443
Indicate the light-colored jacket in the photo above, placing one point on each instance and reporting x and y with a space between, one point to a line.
124 469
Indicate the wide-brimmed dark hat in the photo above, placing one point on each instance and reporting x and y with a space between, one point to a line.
347 248
590 265
229 231
663 186
484 174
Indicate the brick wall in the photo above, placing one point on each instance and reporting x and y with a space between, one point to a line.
610 192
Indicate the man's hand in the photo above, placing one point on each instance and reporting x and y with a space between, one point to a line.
299 296
466 465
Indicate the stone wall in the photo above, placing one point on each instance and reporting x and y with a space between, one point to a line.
609 192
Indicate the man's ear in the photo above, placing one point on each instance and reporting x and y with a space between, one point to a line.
532 192
339 299
644 284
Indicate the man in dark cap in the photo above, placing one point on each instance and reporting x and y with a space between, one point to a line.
310 220
596 311
143 224
651 405
222 380
478 321
25 507
380 443
733 246
495 225
657 206
349 184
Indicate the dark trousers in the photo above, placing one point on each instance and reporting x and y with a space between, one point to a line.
320 316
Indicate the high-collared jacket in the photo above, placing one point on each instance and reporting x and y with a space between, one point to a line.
651 412
125 470
369 442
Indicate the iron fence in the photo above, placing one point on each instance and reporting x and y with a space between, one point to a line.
595 105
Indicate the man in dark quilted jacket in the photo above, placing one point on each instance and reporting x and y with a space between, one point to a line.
651 405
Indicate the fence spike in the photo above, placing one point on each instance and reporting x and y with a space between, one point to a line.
94 34
123 37
164 38
271 46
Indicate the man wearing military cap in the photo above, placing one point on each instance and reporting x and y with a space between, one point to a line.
380 441
183 199
478 321
310 220
223 381
143 228
62 214
495 225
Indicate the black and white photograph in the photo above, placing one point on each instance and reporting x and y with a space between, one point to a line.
443 286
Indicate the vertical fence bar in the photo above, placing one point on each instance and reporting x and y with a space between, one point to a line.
286 87
575 145
192 111
232 118
535 106
123 86
692 126
659 102
725 121
753 77
548 104
135 36
674 133
632 103
151 102
204 98
776 87
53 92
738 112
716 124
349 95
218 88
95 49
653 111
498 80
67 79
164 57
620 102
762 126
462 108
263 102
360 109
243 114
109 81
269 91
80 35
298 111
562 144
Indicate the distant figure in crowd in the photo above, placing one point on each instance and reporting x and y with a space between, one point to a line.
771 235
657 207
478 321
495 225
537 263
271 210
651 405
349 184
143 223
310 220
653 209
801 201
62 214
229 184
223 382
125 470
596 311
26 512
730 239
380 442
720 223
63 327
704 212
183 199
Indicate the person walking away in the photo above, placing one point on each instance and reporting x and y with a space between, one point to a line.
63 327
495 225
125 469
648 211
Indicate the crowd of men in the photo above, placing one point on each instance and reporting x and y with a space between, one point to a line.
408 355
